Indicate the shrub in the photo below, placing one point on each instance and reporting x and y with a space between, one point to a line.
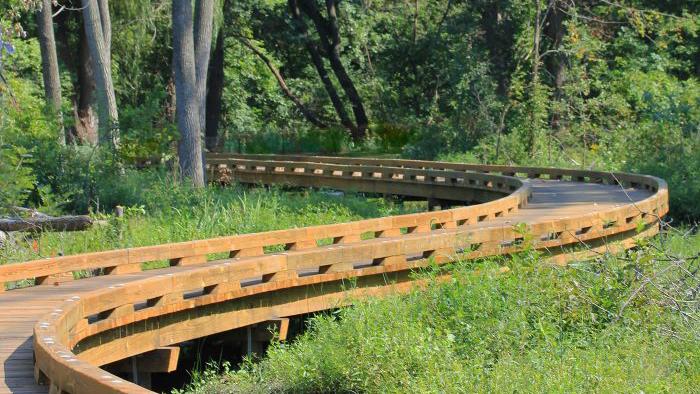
16 177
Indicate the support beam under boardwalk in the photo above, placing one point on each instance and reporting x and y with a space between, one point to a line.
140 368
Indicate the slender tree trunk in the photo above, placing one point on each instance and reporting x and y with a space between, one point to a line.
107 102
317 60
556 63
187 112
499 38
106 27
75 55
536 45
414 65
214 93
535 98
171 106
346 82
203 20
49 65
306 111
87 123
330 39
415 22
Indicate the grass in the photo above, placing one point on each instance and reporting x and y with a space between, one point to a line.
608 325
168 213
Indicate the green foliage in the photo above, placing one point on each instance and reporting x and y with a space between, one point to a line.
331 141
585 327
391 137
146 132
16 177
24 130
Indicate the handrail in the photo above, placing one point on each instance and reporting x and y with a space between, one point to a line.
218 297
570 174
454 185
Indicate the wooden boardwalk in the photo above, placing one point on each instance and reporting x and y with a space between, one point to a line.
24 310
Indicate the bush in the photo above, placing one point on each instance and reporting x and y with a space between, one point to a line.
392 137
16 177
329 141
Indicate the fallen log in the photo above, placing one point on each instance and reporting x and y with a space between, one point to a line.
46 223
31 212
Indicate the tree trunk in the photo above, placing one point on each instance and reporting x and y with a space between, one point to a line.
316 59
214 94
106 27
330 38
499 38
171 104
307 112
74 53
46 223
107 102
87 123
204 17
536 45
535 109
49 66
556 62
358 107
187 112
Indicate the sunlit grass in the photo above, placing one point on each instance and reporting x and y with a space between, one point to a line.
535 328
176 213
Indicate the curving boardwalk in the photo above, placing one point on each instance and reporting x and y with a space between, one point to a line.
216 285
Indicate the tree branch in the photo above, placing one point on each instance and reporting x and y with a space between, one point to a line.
306 111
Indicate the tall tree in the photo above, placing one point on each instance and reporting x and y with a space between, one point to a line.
49 65
215 91
96 30
85 100
301 29
203 20
555 63
74 53
187 101
106 27
329 34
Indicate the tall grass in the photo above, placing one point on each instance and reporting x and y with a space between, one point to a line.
590 327
164 212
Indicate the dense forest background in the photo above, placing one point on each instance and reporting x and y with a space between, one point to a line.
593 84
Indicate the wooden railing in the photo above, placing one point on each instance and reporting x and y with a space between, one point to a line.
505 195
124 320
566 174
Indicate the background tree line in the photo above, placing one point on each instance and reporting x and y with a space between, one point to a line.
603 84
